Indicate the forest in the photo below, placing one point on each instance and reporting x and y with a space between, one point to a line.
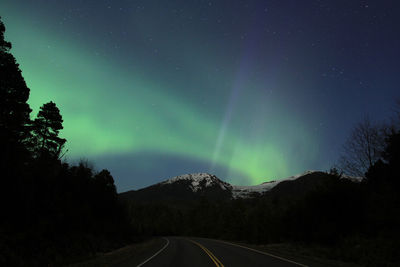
52 212
55 213
351 222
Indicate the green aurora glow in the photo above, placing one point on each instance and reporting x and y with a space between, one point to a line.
111 109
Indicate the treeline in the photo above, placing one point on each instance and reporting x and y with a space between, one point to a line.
355 221
52 213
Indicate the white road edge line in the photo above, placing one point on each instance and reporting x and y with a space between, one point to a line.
261 252
158 252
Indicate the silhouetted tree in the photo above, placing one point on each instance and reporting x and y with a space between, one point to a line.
387 169
4 45
51 213
362 149
105 180
14 109
46 129
392 151
14 132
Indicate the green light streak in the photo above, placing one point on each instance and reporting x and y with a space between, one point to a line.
108 109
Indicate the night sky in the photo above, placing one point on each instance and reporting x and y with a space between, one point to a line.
250 91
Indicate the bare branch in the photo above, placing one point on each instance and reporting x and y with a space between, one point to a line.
363 148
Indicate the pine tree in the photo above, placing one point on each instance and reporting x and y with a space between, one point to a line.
14 110
46 128
14 133
4 45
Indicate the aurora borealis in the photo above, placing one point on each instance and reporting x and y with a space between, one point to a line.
247 90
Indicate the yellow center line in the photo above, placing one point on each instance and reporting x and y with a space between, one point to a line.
220 264
212 256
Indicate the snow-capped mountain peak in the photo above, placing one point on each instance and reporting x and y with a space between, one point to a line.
199 181
205 185
240 191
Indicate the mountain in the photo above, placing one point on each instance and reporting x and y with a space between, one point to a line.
239 191
190 187
185 187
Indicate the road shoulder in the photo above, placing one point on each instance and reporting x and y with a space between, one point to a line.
131 255
294 253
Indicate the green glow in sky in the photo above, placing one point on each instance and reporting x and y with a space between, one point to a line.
110 108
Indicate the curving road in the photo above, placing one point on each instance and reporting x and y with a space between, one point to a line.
194 252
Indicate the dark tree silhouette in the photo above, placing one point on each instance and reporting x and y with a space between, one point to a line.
14 131
14 109
363 148
392 151
51 213
46 129
4 45
387 169
105 180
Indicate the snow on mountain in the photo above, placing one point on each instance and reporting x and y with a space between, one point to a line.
352 178
197 185
241 191
199 181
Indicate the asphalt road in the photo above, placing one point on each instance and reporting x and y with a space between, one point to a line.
179 251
